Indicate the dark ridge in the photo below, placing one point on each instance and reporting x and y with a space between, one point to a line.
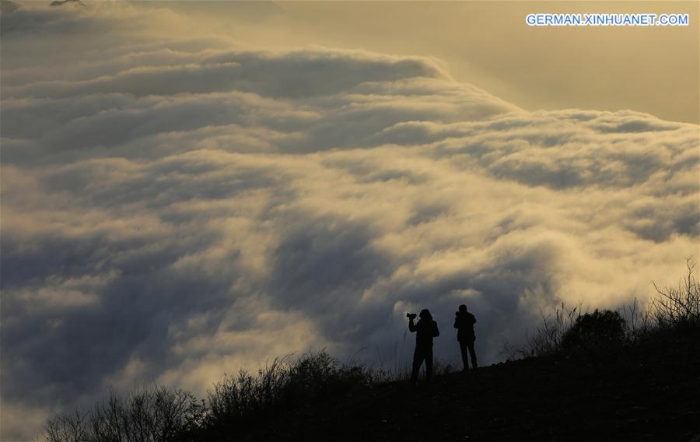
63 2
648 392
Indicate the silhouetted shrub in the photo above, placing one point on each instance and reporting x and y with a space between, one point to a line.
149 415
678 307
245 399
546 340
673 315
595 332
311 376
159 415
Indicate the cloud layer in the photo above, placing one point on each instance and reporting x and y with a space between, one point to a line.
177 207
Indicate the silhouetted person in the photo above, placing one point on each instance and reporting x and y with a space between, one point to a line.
426 329
464 323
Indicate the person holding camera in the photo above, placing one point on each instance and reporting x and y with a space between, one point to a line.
426 329
464 323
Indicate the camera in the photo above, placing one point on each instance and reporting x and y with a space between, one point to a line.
411 315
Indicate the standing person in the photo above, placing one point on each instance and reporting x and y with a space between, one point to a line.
464 323
426 329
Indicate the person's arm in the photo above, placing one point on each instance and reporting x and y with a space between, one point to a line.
436 331
456 321
411 325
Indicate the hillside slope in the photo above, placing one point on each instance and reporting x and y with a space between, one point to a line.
646 393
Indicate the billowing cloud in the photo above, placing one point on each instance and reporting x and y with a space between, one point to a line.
174 208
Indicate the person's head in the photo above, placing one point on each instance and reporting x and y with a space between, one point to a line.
425 314
463 308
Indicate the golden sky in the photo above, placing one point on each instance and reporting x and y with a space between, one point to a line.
646 69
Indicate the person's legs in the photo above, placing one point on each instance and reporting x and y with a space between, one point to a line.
417 361
463 350
428 363
472 353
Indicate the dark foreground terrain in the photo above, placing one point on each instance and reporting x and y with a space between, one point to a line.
647 393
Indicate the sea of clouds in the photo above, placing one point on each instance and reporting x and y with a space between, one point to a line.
176 205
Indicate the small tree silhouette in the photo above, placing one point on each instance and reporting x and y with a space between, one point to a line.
595 332
678 308
153 414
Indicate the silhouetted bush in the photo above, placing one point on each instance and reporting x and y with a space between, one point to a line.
546 341
149 415
678 307
595 332
160 415
245 399
311 376
674 314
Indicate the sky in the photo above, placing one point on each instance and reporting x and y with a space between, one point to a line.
193 188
